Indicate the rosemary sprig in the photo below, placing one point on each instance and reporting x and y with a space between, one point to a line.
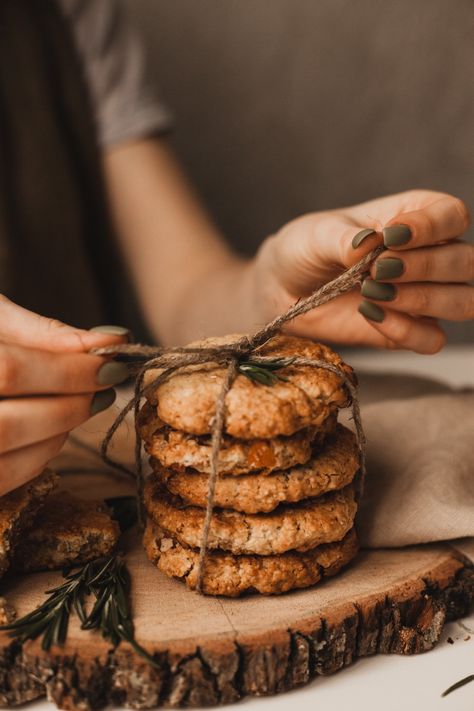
264 372
458 684
51 619
108 580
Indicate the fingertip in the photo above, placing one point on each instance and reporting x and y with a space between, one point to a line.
354 247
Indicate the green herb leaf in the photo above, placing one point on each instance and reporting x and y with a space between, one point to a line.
263 371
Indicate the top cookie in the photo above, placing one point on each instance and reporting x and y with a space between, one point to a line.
307 396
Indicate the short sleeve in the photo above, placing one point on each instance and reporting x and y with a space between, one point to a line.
125 104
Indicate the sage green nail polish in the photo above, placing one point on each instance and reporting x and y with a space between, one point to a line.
388 268
103 400
111 330
112 373
396 235
360 237
371 311
381 292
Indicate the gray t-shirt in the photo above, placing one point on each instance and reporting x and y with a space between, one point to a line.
124 103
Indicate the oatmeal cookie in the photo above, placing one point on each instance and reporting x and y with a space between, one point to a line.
304 397
232 575
68 531
174 448
332 467
289 527
18 510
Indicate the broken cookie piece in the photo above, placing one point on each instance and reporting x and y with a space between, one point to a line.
18 510
69 531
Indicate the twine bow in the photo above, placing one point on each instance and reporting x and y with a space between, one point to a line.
170 360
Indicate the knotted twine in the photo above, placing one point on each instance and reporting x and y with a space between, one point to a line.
171 360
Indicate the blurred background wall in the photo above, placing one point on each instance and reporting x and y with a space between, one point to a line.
288 106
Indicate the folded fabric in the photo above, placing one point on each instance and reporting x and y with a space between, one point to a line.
420 482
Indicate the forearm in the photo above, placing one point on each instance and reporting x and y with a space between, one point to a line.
188 281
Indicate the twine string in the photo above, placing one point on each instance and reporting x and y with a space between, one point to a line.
170 361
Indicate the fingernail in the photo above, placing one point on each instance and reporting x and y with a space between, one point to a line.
371 311
381 292
396 235
111 330
112 373
388 268
360 237
103 400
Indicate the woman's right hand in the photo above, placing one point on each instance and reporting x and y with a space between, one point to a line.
49 384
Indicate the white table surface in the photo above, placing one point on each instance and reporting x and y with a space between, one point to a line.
392 683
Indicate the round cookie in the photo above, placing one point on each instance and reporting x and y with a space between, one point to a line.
174 448
232 575
332 467
304 397
299 527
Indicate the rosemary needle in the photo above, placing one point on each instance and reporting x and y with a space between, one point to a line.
458 684
263 371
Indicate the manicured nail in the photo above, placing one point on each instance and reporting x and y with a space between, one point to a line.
112 330
103 400
396 235
388 268
381 292
371 311
112 373
360 237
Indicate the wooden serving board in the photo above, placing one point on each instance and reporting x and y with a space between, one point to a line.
217 650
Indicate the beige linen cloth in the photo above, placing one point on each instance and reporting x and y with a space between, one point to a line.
420 447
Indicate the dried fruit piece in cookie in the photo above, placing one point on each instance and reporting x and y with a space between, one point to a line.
231 575
304 397
290 527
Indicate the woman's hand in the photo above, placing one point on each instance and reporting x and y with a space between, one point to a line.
423 276
48 386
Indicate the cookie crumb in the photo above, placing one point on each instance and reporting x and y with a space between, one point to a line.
450 640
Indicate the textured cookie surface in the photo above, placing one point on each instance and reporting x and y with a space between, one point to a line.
306 396
232 575
290 527
174 448
332 467
68 531
18 510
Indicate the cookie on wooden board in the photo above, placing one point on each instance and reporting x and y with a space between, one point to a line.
305 397
18 510
332 467
289 527
68 531
231 575
174 448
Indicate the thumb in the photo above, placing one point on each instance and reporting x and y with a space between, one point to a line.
28 329
314 249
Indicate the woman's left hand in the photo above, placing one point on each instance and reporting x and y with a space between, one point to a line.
422 276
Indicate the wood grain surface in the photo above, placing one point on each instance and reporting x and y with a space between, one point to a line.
214 650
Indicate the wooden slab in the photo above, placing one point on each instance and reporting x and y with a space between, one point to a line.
216 650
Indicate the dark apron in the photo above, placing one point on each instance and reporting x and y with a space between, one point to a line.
57 250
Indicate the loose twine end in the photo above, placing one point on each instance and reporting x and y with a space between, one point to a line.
170 360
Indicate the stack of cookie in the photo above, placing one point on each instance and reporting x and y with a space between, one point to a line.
285 499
